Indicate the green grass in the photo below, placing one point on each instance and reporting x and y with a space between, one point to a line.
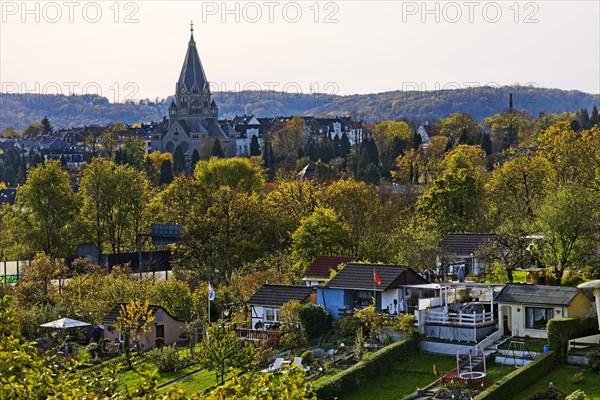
133 377
404 378
536 345
198 383
561 377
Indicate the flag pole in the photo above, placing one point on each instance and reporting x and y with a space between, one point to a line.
208 317
374 293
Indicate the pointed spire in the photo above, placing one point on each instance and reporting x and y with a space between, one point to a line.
192 72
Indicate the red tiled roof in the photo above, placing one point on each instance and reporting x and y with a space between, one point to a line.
323 265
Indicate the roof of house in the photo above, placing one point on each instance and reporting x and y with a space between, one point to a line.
113 314
537 294
322 265
465 243
8 196
361 277
278 295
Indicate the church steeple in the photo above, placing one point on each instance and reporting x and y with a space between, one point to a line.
192 77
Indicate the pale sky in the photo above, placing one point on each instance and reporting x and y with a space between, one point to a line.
136 48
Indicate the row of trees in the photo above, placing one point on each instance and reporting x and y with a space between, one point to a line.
230 224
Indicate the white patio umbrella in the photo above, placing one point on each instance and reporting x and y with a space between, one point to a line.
64 323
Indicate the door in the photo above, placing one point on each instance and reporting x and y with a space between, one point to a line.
160 332
506 321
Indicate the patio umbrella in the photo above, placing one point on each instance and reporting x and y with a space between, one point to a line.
64 323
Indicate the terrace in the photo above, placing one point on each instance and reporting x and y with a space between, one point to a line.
460 311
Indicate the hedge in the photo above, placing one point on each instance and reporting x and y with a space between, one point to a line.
520 379
379 363
561 330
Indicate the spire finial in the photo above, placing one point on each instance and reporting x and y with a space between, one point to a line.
192 26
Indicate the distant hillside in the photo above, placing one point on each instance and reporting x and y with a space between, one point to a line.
20 110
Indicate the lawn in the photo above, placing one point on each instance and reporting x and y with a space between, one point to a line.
197 383
133 377
531 344
404 378
561 377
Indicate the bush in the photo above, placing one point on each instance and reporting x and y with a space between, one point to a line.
293 340
359 345
517 381
379 363
308 357
594 360
315 320
578 378
165 358
576 395
561 330
347 326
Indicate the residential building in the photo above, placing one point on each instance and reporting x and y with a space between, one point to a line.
355 286
164 326
524 310
266 303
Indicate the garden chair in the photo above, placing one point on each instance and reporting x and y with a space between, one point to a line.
274 367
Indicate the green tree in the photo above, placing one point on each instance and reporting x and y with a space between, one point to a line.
569 226
133 322
166 173
178 161
134 151
46 209
459 128
36 286
227 234
453 201
237 173
47 127
254 146
322 233
511 127
289 385
114 198
345 146
223 351
392 138
194 160
217 150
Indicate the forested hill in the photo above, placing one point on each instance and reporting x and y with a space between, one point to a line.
20 110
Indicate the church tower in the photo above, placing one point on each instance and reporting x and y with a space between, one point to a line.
193 115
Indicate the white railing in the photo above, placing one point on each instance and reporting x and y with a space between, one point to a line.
458 318
488 341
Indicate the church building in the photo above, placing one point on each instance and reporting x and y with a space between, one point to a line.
193 116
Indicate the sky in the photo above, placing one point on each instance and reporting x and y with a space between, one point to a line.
135 49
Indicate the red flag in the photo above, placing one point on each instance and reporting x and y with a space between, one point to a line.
376 278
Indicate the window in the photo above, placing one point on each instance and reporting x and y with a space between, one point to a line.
272 314
536 318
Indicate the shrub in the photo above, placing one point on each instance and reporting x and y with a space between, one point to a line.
578 378
165 358
515 382
315 320
359 345
379 363
372 320
594 360
308 357
293 340
561 330
347 326
576 395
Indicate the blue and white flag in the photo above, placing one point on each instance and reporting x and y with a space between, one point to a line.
211 292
